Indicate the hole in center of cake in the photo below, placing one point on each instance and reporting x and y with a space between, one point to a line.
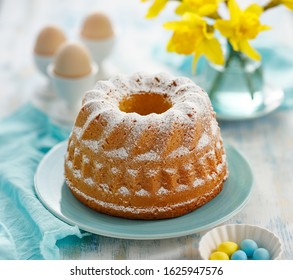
145 103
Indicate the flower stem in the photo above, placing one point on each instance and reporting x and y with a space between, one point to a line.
271 4
219 76
247 75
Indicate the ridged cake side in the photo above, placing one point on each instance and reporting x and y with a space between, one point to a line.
146 167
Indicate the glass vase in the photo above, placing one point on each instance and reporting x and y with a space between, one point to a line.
236 89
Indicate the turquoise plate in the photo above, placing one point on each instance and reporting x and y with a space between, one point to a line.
57 198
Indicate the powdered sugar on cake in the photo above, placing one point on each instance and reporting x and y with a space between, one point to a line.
145 157
180 152
118 153
153 156
203 141
133 209
188 101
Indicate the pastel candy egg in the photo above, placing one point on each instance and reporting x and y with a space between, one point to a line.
261 254
248 246
239 255
228 247
219 256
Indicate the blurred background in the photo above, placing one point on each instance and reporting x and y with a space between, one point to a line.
140 42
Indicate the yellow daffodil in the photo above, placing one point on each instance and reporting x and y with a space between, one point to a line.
155 8
243 25
199 7
192 35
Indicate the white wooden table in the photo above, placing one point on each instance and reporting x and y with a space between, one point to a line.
266 142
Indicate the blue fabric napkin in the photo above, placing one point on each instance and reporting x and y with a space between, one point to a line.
277 65
27 229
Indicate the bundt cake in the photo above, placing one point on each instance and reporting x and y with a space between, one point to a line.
145 147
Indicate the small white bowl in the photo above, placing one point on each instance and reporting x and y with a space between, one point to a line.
70 92
100 50
42 62
72 89
236 233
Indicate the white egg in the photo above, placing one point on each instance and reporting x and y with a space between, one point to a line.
97 26
48 40
72 61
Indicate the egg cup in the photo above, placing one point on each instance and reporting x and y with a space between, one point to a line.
70 92
42 62
100 50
